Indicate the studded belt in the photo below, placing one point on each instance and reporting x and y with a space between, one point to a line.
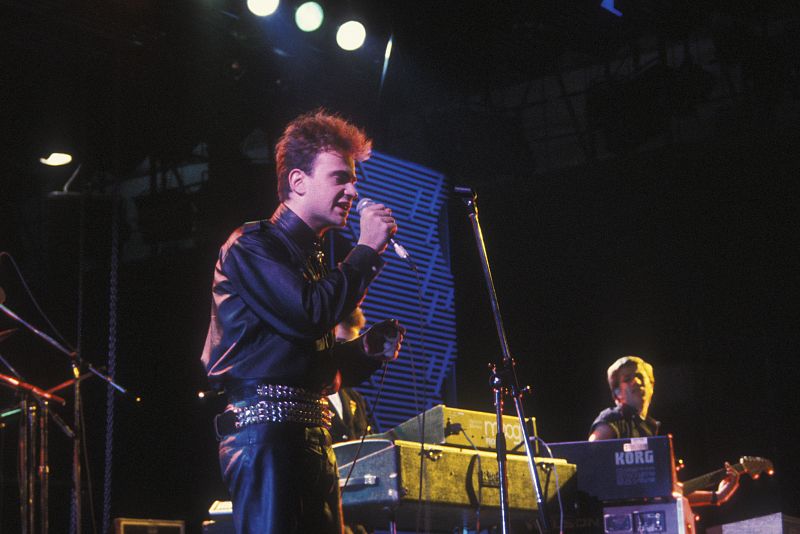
275 404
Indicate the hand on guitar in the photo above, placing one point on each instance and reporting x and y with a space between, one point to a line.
727 486
723 492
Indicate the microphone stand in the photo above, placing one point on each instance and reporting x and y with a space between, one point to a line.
78 367
504 382
33 426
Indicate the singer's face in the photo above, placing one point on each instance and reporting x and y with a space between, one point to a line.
330 191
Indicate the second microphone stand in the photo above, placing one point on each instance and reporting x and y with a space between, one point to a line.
504 382
81 369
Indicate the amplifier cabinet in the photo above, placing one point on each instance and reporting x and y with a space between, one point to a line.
219 525
386 478
126 525
776 523
668 517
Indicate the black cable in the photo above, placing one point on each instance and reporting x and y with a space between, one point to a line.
2 468
370 415
83 454
422 329
89 491
35 302
113 307
421 418
558 485
422 410
480 481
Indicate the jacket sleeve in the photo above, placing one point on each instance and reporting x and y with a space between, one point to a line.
259 269
354 364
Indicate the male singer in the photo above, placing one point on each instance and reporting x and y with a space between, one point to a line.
270 341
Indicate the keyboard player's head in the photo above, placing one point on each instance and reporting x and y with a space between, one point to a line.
631 381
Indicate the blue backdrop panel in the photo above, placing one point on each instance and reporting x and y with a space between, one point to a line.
423 302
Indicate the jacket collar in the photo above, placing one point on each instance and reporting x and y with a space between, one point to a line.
288 221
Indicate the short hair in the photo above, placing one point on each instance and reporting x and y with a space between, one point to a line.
311 134
616 367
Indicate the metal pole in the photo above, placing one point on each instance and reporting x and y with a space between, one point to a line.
31 473
77 426
503 379
22 459
44 470
500 447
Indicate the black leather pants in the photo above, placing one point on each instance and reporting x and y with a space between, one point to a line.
282 478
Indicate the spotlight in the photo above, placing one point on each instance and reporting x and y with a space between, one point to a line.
308 16
351 35
608 5
386 56
262 8
388 53
55 159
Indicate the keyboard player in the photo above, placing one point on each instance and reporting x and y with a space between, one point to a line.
632 383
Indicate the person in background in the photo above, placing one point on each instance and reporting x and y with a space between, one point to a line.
350 420
632 384
350 415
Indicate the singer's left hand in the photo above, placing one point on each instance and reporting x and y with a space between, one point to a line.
383 340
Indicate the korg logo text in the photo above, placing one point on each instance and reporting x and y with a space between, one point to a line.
633 458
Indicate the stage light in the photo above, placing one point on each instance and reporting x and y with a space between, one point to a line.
308 16
262 8
351 35
386 56
608 5
55 159
388 53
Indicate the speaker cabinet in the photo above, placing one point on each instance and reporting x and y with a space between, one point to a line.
126 525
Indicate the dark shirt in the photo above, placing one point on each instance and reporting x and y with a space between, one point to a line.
275 306
626 423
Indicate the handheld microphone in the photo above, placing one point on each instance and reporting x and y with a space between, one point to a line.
398 248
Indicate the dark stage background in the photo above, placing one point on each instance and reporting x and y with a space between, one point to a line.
626 210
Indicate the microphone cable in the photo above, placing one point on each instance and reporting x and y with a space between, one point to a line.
412 360
558 485
35 302
480 479
370 415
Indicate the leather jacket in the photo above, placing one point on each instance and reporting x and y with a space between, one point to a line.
274 306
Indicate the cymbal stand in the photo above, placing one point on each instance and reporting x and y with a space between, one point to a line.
33 434
79 366
504 382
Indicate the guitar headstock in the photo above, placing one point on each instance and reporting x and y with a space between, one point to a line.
755 465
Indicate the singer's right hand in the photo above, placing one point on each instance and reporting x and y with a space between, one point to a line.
377 227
